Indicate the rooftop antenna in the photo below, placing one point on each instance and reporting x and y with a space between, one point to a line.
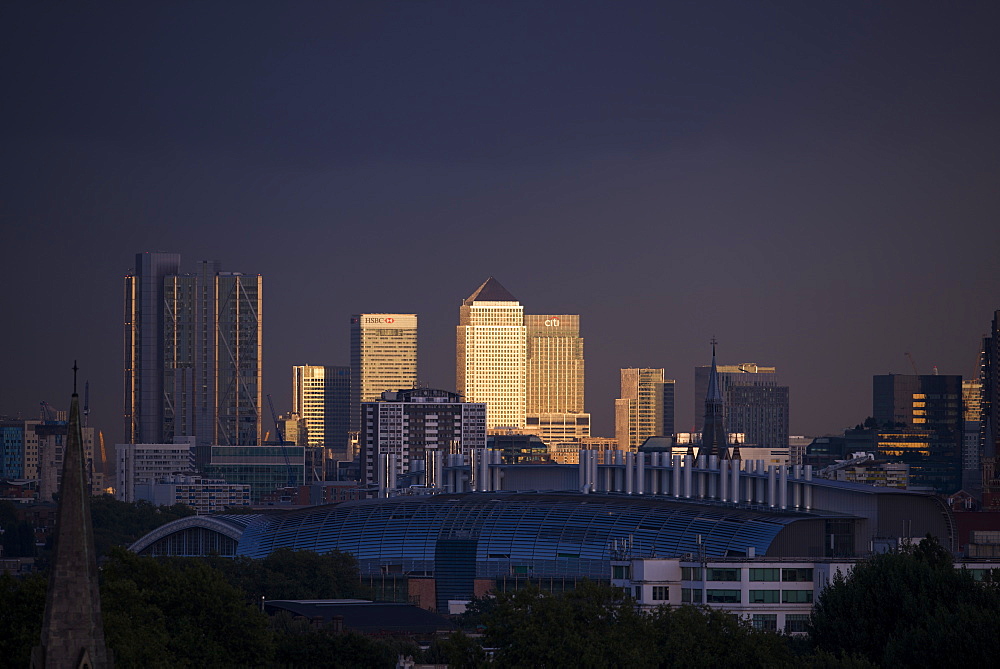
75 370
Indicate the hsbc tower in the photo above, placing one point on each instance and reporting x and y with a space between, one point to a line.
383 357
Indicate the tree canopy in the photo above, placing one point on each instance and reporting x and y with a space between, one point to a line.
910 608
118 523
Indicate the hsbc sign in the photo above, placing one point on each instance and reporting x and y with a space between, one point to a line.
393 321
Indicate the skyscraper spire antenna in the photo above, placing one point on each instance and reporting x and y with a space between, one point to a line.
75 370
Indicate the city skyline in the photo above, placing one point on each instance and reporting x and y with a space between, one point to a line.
814 186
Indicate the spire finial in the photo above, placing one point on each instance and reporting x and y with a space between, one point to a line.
75 370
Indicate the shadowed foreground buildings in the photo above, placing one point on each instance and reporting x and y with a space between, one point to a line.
72 627
450 547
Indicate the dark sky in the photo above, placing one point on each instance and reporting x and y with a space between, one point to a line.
814 184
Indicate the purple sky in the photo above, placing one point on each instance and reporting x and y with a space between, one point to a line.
814 184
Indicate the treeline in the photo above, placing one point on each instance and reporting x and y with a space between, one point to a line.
905 609
115 523
190 612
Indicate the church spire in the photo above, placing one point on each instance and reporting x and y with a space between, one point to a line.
72 628
713 436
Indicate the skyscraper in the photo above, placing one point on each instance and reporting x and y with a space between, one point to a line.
144 343
383 357
753 402
555 364
491 354
989 422
921 422
555 396
645 408
192 354
321 394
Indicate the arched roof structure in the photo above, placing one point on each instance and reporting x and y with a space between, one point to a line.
195 536
552 534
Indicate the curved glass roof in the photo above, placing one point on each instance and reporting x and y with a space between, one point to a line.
561 534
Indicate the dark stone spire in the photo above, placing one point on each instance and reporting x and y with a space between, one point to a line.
72 629
713 437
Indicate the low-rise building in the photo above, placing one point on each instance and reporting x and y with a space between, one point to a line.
201 494
775 594
143 464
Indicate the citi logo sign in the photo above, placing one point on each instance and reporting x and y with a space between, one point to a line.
552 322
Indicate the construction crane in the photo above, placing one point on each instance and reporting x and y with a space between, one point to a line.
281 440
912 363
49 412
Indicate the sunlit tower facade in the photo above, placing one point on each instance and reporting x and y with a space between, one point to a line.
383 357
193 354
321 395
645 408
144 344
555 391
491 354
554 364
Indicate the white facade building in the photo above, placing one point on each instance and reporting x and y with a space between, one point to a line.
201 494
491 354
775 594
145 463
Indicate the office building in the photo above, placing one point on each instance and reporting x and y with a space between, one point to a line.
383 357
753 402
321 395
263 468
989 422
18 449
554 364
770 594
145 329
558 428
920 422
193 346
491 354
143 464
554 406
203 495
52 436
645 408
406 424
972 411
